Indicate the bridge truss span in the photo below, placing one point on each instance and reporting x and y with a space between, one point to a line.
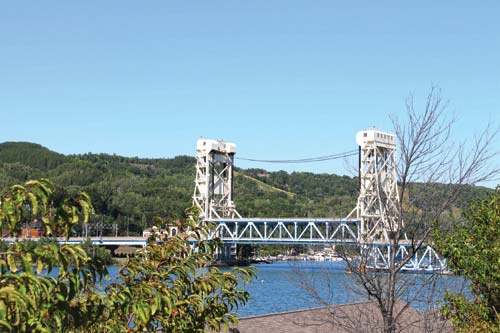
424 259
286 230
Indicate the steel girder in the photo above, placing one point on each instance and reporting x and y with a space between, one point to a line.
286 231
425 259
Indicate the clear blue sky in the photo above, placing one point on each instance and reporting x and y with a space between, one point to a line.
281 79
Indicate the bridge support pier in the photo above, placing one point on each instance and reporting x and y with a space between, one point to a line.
213 192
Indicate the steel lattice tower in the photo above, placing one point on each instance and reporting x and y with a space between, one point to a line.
378 202
213 192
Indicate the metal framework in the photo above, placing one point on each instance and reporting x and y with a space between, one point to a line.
213 192
426 259
371 225
378 202
98 227
286 231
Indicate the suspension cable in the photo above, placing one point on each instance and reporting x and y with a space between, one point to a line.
305 160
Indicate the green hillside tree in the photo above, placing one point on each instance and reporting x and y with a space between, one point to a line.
473 251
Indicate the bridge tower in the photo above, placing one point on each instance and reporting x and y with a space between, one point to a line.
378 202
213 191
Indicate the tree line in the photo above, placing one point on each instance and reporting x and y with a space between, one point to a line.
130 191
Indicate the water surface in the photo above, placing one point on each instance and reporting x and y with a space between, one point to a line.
294 285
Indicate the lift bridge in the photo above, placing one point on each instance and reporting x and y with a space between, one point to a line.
370 225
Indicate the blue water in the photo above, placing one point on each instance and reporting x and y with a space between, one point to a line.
285 286
288 285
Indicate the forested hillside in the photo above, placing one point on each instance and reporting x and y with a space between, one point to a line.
130 191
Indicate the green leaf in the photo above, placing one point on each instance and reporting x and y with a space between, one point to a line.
11 262
39 266
5 324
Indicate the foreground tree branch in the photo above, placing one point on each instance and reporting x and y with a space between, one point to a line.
165 287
